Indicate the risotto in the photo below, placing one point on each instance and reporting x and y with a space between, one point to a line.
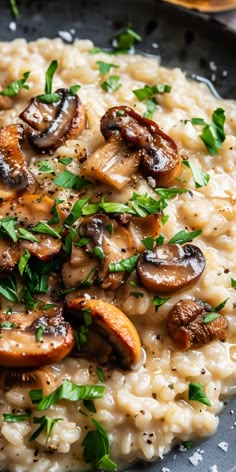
117 329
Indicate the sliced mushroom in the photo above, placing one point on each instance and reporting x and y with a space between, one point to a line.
141 228
15 176
170 267
42 378
112 337
187 326
158 152
115 246
19 346
29 210
5 103
54 123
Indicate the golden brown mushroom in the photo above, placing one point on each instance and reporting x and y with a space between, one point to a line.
170 267
111 335
52 124
21 345
15 176
188 326
42 378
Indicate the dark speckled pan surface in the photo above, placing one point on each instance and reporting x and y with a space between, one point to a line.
181 38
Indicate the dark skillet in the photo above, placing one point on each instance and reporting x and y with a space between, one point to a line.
184 39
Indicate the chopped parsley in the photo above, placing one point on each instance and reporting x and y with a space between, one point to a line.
48 96
65 160
14 8
14 87
45 166
195 393
105 67
46 424
125 40
100 374
7 227
43 228
159 301
23 261
213 134
147 91
76 212
67 391
74 89
7 325
127 265
151 105
111 84
8 289
170 192
221 305
39 333
25 234
201 178
233 283
210 317
68 241
11 418
68 180
183 236
137 294
98 252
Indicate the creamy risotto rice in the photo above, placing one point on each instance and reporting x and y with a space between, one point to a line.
145 409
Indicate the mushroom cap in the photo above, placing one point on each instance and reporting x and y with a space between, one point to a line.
14 174
42 378
114 326
19 346
65 120
186 326
170 267
158 151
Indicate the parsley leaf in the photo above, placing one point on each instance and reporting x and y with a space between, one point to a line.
151 107
201 178
66 391
74 89
49 76
125 40
111 84
14 87
213 134
68 241
145 205
195 393
65 160
49 98
100 374
105 67
233 283
23 261
76 212
159 301
24 234
147 91
210 317
170 192
137 294
7 227
97 448
8 289
68 180
183 236
10 418
98 252
221 305
7 325
46 424
14 8
44 228
89 404
127 265
45 166
39 333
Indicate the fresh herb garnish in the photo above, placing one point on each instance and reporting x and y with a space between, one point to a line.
7 325
110 207
170 192
76 212
233 283
98 252
45 166
68 241
48 306
30 304
100 374
43 228
65 160
97 448
125 40
159 301
144 205
74 89
14 87
184 236
10 418
66 391
7 227
187 444
39 333
201 178
147 91
48 96
210 317
46 424
24 234
82 242
221 305
105 67
149 241
151 107
14 8
68 180
213 134
127 265
89 404
111 84
23 261
195 393
8 289
137 294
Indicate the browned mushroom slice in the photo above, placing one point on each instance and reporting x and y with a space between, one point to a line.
113 163
188 326
5 103
112 337
141 228
170 267
15 176
54 123
9 255
114 245
21 345
42 378
159 155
